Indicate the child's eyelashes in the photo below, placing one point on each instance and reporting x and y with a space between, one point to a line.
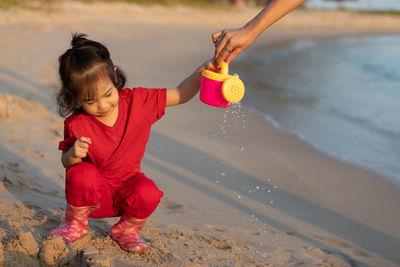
91 102
88 101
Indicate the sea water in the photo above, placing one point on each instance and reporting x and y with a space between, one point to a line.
341 96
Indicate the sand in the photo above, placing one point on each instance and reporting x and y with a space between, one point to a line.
254 196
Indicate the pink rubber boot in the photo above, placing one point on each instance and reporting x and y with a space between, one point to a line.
126 234
74 226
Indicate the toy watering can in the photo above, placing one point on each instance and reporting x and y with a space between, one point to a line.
221 89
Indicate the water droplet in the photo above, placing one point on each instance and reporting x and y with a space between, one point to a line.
275 187
257 187
271 202
269 191
223 174
240 197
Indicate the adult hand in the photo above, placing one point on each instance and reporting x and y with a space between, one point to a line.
81 147
229 43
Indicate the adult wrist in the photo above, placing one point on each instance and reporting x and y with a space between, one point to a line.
251 31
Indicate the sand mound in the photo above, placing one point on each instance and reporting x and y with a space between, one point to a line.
15 108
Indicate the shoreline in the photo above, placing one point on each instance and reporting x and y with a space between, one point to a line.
266 117
322 212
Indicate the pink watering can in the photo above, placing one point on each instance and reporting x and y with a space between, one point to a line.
221 89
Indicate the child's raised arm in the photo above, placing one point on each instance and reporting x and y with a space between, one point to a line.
189 87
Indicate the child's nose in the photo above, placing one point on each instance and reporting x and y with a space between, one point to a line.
101 106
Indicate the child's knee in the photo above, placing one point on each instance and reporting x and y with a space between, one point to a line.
84 185
82 175
140 197
147 191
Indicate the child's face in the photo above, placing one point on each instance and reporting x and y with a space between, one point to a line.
105 100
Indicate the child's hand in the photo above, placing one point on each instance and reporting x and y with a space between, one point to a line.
208 65
81 147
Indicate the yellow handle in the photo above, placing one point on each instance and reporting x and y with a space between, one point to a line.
224 68
221 76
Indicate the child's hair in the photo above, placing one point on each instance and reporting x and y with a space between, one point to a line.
81 67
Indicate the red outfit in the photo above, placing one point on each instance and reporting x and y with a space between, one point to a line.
109 177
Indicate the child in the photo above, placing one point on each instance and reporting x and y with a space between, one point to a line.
104 142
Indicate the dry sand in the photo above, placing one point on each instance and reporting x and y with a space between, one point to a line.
254 197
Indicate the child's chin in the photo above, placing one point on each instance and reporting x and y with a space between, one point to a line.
104 114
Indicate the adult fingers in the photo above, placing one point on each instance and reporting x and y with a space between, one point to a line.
223 55
215 36
219 46
232 55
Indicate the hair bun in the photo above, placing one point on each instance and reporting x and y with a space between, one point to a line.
78 39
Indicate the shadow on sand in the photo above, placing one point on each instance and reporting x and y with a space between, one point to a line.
311 213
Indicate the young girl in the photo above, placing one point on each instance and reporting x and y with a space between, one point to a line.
104 142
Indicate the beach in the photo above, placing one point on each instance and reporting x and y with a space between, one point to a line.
237 191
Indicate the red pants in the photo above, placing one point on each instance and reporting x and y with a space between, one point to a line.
85 186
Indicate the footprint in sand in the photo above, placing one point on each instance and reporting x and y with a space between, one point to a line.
90 256
56 130
355 251
333 241
215 241
14 167
219 228
330 257
173 206
34 153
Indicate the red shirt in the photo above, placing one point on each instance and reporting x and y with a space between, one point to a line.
117 151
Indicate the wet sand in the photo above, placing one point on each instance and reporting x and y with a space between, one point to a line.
254 196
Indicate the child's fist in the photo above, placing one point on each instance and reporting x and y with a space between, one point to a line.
81 147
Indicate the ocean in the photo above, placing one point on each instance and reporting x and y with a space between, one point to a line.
341 96
366 5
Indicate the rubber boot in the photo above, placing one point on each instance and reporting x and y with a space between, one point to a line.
126 234
74 226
